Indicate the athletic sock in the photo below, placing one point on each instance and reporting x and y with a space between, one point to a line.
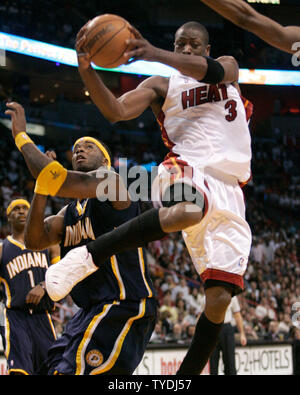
135 233
204 342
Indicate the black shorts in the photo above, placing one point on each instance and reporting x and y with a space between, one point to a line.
109 338
27 338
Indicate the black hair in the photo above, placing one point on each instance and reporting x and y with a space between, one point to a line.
198 26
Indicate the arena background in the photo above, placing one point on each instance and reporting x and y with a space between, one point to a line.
59 110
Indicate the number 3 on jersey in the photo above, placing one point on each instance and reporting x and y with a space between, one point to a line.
232 113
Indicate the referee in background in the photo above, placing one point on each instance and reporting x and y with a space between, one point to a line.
226 342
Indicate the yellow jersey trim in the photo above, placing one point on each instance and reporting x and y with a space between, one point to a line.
81 209
7 335
16 242
142 266
115 268
51 325
7 291
19 370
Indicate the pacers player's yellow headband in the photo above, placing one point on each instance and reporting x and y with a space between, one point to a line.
17 202
98 144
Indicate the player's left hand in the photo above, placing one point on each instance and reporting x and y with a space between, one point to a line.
35 295
18 119
139 48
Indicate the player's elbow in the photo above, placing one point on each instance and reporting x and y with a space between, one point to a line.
116 114
231 69
113 118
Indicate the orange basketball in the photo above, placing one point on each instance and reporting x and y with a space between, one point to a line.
105 40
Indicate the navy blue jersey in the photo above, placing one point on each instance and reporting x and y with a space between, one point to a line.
123 276
20 271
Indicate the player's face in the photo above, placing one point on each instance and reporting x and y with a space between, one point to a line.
190 41
17 217
87 157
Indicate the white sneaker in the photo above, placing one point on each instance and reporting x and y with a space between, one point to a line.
70 270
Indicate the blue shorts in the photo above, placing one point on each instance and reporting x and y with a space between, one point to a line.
27 338
109 338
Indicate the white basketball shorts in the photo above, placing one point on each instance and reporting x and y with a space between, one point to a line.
219 244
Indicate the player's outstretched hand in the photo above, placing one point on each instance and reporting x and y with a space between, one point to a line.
51 154
83 57
18 119
141 49
35 295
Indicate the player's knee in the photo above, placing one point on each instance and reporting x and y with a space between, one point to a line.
217 302
180 216
188 214
181 192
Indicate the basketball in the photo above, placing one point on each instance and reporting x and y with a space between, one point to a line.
105 40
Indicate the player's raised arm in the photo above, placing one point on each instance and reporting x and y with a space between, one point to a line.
128 106
54 180
243 15
201 67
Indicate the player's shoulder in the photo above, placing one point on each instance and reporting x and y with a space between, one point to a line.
228 59
154 82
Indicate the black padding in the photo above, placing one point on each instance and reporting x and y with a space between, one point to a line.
215 72
182 192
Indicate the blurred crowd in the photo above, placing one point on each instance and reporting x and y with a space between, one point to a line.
58 22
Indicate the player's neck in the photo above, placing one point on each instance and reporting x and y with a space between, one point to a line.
18 235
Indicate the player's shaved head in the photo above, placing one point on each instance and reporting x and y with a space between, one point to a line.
193 25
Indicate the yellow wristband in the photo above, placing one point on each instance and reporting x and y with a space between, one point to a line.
21 139
50 179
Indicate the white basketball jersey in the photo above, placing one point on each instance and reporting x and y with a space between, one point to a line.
206 126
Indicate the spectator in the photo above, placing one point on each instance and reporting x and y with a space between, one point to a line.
191 317
284 325
176 335
167 324
158 335
250 333
168 285
263 309
180 305
168 305
258 250
196 298
182 288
